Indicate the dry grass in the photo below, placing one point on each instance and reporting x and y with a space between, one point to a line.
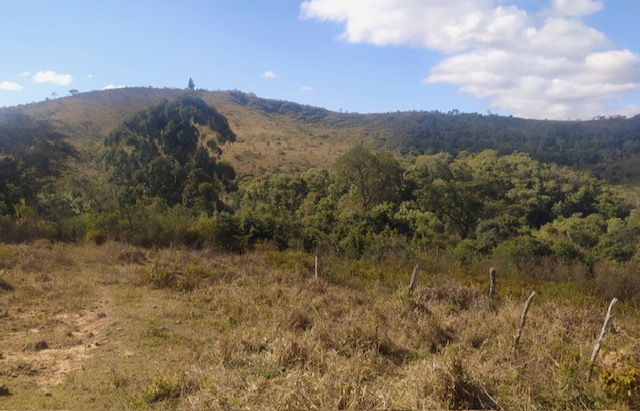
219 331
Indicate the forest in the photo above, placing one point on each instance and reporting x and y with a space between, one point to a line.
159 181
542 200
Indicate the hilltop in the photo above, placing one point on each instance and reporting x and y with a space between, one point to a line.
279 135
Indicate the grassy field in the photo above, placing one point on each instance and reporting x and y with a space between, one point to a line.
117 327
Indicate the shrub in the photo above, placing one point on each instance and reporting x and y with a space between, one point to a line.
465 252
520 249
620 379
162 388
227 232
7 257
158 276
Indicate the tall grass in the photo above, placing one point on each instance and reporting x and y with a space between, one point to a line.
207 329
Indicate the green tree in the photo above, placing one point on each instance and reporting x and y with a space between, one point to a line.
191 86
449 188
370 177
32 156
169 151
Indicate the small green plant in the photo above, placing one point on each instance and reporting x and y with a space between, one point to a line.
162 388
96 236
159 277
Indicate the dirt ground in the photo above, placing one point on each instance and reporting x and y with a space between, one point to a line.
42 356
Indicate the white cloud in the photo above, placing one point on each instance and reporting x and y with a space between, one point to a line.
52 77
10 86
446 26
544 65
563 37
112 87
26 74
306 88
269 74
575 7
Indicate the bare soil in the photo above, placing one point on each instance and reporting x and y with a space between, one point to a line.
42 356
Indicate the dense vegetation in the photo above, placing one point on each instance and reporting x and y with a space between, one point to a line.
165 152
163 184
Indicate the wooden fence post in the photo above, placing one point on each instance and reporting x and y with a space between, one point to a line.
492 288
523 319
603 331
317 265
414 278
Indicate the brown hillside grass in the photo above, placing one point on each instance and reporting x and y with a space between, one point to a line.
113 326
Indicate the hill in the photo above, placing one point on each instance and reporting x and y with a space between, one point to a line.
285 136
271 135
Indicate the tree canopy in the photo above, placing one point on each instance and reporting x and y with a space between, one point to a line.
32 155
369 176
171 151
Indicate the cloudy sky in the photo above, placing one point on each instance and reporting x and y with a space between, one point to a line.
560 59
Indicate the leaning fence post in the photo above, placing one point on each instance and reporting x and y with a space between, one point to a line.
523 319
492 288
603 331
317 265
414 278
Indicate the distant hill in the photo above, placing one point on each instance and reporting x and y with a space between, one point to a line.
272 135
276 135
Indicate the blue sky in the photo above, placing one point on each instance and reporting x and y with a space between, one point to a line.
530 58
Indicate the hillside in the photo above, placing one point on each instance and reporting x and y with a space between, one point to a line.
273 135
284 136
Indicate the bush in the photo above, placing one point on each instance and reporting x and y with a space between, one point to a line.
163 388
7 257
520 249
465 252
227 232
159 277
620 379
